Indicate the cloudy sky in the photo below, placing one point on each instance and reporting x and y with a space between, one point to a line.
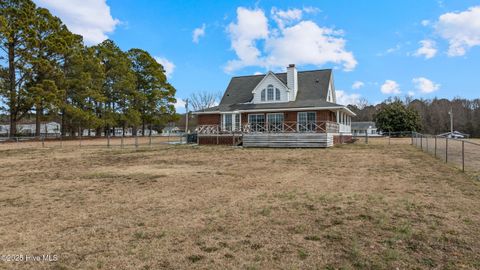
424 49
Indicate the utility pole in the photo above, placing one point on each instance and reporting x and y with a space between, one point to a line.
451 122
186 116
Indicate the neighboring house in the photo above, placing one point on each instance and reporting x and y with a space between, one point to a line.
172 131
292 109
46 129
364 128
119 132
454 135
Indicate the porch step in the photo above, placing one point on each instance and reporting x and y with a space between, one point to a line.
294 140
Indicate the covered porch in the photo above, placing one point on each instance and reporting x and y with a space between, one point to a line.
286 128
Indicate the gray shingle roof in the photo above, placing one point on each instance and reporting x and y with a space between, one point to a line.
312 91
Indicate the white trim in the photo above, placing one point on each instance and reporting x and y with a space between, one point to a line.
264 78
284 110
300 109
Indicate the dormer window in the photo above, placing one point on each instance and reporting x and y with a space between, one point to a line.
270 90
270 93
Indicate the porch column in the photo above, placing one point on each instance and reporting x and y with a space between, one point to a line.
338 116
240 121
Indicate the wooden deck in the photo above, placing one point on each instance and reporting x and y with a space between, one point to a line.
285 140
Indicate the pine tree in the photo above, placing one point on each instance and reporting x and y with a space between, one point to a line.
154 94
118 88
17 18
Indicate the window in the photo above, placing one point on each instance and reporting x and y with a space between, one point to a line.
227 122
307 121
263 95
277 94
270 92
275 122
237 121
257 122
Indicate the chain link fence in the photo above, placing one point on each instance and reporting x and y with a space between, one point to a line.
463 154
384 139
85 141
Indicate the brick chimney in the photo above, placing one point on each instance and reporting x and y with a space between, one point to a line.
292 81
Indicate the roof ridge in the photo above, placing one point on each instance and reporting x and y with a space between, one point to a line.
264 74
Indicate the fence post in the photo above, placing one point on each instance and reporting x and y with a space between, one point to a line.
121 141
150 139
108 139
421 141
136 140
366 137
435 146
412 138
426 141
389 135
61 141
463 155
43 141
446 150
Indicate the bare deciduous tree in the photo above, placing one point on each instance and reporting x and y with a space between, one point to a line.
204 100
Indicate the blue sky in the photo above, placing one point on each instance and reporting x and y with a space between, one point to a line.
378 48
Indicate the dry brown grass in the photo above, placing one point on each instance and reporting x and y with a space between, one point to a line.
177 207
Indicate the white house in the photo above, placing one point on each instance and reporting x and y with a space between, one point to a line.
48 129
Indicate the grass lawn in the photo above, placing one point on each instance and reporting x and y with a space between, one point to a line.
358 206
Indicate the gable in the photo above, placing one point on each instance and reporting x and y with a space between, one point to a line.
270 81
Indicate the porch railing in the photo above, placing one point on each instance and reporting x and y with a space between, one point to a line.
283 127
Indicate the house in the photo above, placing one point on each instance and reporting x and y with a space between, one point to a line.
364 128
291 109
28 129
172 130
119 132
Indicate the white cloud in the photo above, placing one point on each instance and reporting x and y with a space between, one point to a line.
258 73
428 49
167 65
461 30
89 18
390 87
180 104
358 85
286 17
425 22
344 98
251 25
311 10
411 93
301 43
198 33
425 85
390 50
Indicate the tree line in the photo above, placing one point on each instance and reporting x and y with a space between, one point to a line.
433 114
50 73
